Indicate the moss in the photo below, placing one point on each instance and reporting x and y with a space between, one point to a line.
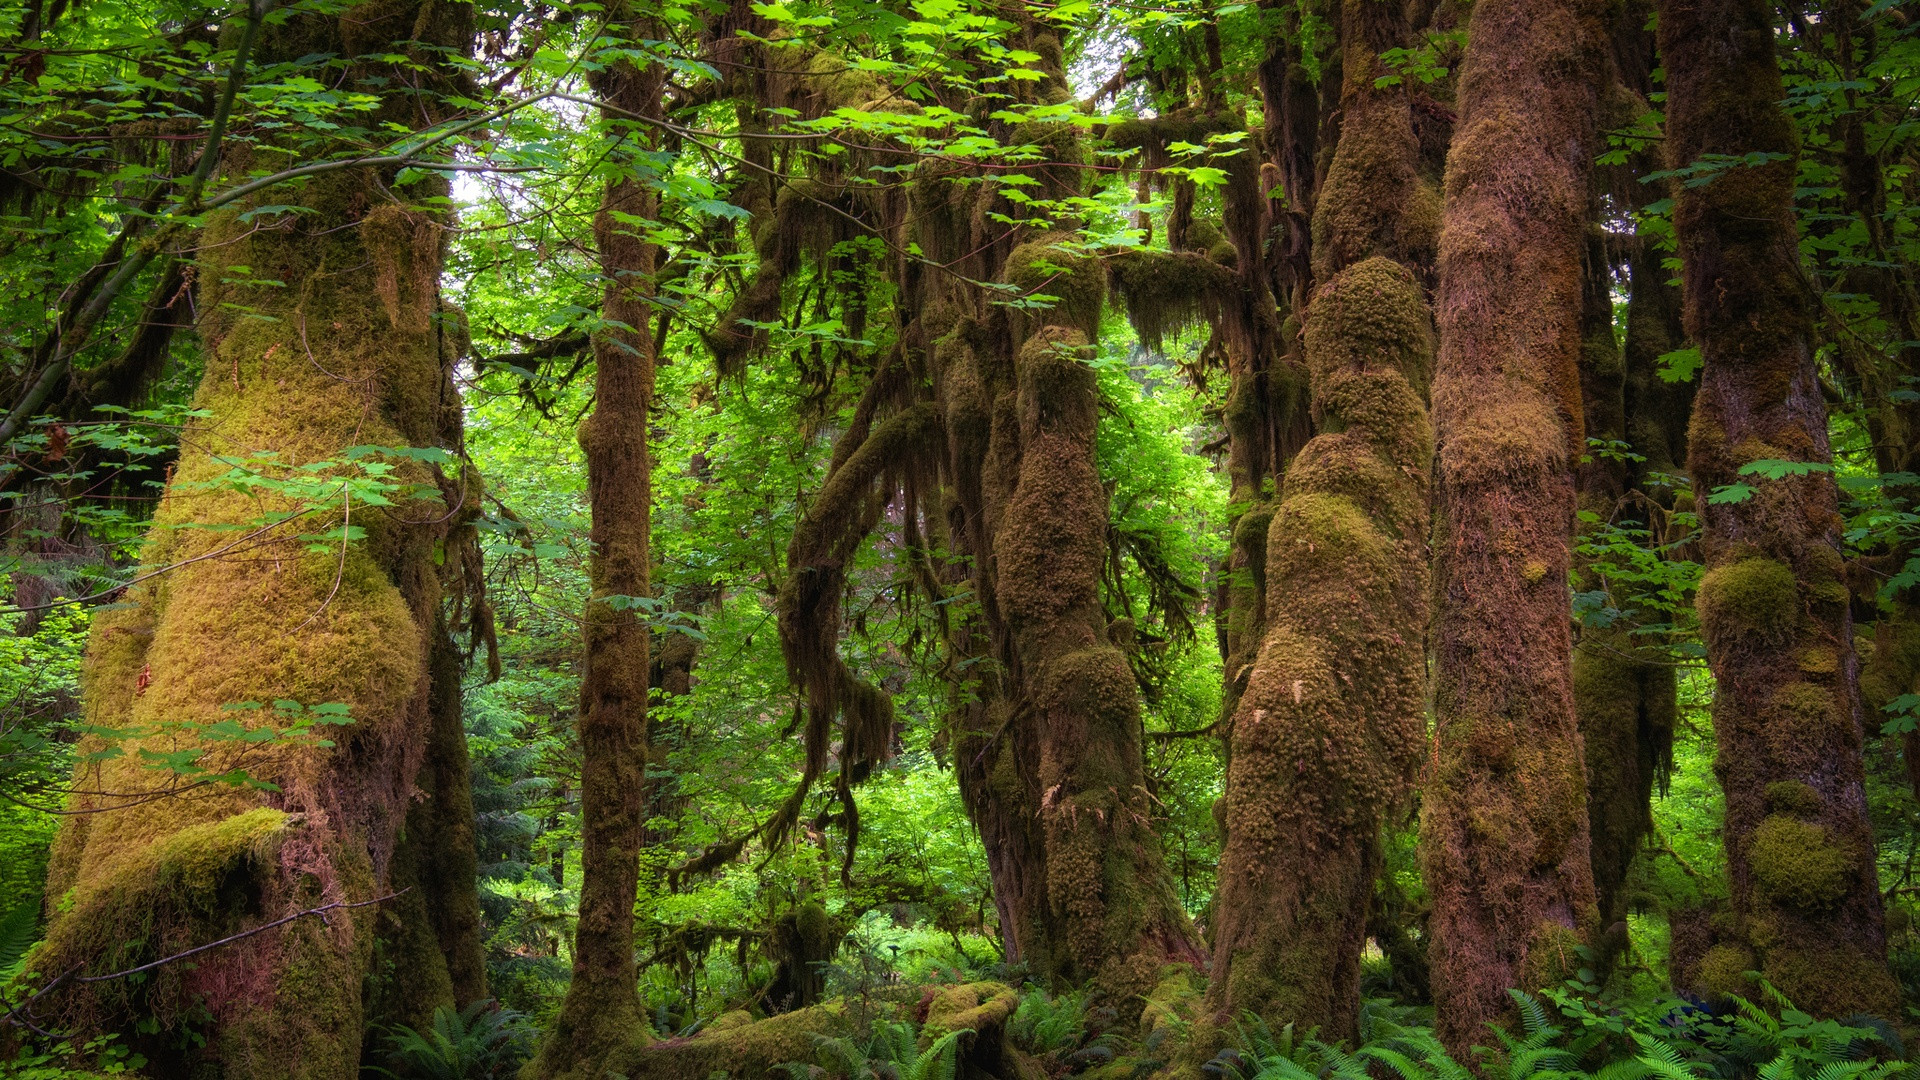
1044 267
1792 797
1167 292
976 1007
1722 973
1553 955
1833 981
196 884
1798 864
746 1051
1755 599
1172 1002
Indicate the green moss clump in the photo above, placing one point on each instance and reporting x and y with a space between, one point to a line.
1797 863
1753 600
1043 267
1723 972
1792 797
982 1008
737 1050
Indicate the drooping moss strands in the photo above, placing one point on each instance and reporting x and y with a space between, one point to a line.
1624 687
318 366
1504 821
809 605
1773 605
1325 741
601 1011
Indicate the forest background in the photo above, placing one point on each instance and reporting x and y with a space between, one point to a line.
1004 436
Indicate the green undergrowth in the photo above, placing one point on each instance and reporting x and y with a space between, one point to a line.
1567 1036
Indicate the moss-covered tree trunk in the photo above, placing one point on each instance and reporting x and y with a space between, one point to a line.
1504 821
343 349
602 1008
1328 736
1774 602
1049 751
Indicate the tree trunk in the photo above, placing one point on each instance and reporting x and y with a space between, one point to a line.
1504 822
1330 732
345 350
1049 750
602 1008
1774 603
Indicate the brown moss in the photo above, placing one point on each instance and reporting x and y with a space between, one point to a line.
1504 828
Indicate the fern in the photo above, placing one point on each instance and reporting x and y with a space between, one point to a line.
1663 1061
18 933
940 1061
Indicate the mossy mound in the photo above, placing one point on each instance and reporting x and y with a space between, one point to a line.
976 1007
745 1050
1797 863
1792 797
1043 268
1722 973
1754 600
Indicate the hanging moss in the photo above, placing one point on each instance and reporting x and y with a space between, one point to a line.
1166 293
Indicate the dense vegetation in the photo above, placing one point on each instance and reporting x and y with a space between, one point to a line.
1326 539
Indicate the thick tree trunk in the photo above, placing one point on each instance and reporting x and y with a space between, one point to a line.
1330 732
602 1008
344 351
1774 603
1504 822
1049 750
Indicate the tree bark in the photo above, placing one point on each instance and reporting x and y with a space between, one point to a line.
1504 822
601 1011
345 350
1329 735
1774 607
